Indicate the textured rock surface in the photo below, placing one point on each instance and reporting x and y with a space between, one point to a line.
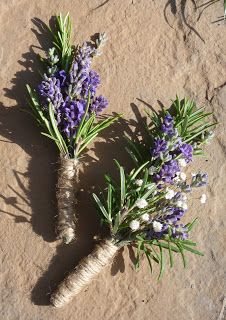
156 49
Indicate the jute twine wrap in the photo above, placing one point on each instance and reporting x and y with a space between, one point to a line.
68 180
82 275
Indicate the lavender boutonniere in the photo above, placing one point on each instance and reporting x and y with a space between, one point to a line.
66 107
144 209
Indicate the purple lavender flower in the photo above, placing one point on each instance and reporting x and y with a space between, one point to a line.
76 79
187 150
62 76
153 234
170 210
68 93
199 180
167 126
98 104
83 56
176 144
50 91
174 214
185 187
90 83
160 146
70 115
168 172
180 231
80 69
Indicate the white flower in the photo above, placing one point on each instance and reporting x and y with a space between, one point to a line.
184 206
177 178
181 204
182 162
184 197
151 170
157 226
141 203
169 194
139 182
203 198
183 176
134 225
145 217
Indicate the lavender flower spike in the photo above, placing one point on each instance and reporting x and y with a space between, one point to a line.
199 180
167 126
160 146
69 85
99 104
50 91
187 150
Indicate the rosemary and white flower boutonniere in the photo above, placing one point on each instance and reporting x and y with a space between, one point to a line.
66 107
145 208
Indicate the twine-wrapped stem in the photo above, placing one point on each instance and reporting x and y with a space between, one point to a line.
66 198
84 273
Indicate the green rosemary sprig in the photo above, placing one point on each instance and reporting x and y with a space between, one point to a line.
60 58
191 122
145 206
119 208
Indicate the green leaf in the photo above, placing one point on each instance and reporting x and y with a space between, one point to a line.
199 133
49 136
123 185
109 200
224 8
101 207
145 179
88 137
185 108
104 124
155 254
135 174
198 119
132 155
87 126
193 250
184 125
176 104
137 262
148 256
58 136
86 142
198 152
42 119
189 242
170 255
133 150
62 36
150 191
197 113
78 135
165 245
116 223
111 181
191 225
162 262
182 253
36 106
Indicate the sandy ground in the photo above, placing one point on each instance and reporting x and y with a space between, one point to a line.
156 49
